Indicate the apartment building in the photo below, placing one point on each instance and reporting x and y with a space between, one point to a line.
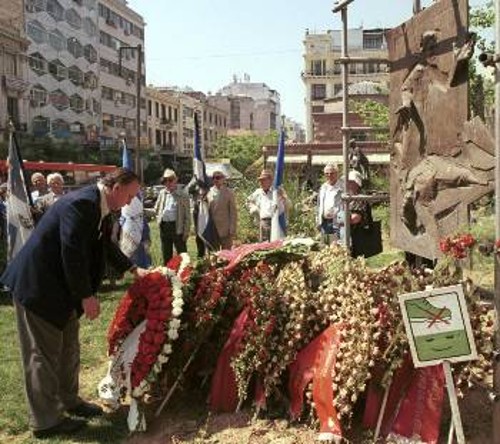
322 75
13 74
250 106
164 125
294 131
213 121
64 97
121 33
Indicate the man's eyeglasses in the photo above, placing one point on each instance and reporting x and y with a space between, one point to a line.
169 179
218 177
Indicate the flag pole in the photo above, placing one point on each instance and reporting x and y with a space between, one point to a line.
15 147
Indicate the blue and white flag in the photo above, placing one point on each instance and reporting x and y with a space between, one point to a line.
132 216
126 160
19 219
278 221
204 223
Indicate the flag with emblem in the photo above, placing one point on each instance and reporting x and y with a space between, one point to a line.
19 219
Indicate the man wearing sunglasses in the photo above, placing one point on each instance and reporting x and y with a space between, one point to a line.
222 207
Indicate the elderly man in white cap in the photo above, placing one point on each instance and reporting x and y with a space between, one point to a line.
330 205
260 204
173 216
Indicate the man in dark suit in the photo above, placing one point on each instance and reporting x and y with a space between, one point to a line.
53 280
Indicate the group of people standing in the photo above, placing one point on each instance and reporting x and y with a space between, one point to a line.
173 210
173 214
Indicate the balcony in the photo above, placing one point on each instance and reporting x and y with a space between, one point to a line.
15 84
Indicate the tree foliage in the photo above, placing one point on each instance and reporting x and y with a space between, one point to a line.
243 150
375 115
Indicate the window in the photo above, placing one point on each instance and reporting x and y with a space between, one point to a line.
75 75
96 106
36 31
318 109
76 103
318 91
13 109
38 96
157 109
89 27
35 5
373 41
73 18
74 47
337 87
38 63
57 40
318 67
60 129
58 70
150 108
55 10
59 100
10 63
40 126
107 93
90 53
90 80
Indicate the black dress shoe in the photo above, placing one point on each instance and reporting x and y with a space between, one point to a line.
86 410
66 427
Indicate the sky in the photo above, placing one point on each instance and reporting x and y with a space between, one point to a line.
202 44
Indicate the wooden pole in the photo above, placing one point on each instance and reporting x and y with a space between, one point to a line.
382 411
455 412
496 363
176 383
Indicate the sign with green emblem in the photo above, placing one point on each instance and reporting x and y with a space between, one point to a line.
438 326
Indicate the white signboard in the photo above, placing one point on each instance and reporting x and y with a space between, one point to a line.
438 326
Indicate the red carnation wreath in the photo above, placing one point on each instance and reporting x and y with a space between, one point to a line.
149 298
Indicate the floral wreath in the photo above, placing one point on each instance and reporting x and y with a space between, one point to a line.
156 299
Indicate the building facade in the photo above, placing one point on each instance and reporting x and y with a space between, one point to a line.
121 27
294 131
64 97
250 106
13 73
164 124
322 75
77 89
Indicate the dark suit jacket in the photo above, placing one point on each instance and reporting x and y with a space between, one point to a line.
63 260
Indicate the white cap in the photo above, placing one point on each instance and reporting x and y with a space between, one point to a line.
355 176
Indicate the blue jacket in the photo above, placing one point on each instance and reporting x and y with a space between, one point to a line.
63 260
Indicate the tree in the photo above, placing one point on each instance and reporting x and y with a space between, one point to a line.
243 150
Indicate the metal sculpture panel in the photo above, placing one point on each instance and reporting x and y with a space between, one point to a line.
441 162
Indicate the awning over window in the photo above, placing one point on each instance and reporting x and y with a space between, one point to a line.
324 159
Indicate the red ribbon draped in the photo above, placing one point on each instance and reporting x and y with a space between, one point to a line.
414 404
316 362
224 390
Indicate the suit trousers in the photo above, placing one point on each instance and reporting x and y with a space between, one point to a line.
51 364
169 238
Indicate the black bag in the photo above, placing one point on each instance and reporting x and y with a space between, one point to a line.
367 238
